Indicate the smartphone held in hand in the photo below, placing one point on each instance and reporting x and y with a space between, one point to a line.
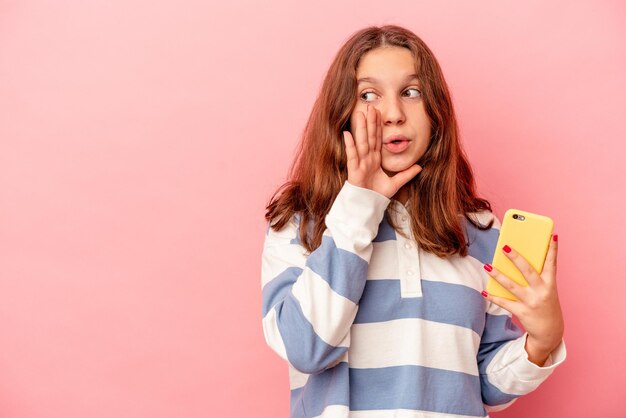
529 234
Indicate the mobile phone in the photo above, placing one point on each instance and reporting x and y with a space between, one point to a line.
529 234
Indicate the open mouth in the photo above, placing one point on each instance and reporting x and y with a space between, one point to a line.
397 145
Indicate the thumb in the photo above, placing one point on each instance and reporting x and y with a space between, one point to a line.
403 177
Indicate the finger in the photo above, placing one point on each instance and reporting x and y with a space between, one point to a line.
509 284
507 304
379 132
530 274
361 135
403 177
371 127
352 159
549 267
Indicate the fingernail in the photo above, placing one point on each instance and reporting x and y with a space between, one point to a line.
488 267
555 237
506 249
484 293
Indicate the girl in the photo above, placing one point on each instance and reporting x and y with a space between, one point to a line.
374 258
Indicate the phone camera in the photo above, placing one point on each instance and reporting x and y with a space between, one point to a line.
515 216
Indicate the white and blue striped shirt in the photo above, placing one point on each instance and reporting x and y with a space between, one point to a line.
372 326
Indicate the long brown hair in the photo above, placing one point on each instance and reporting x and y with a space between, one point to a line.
442 191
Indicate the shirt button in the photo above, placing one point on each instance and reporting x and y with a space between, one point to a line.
407 245
409 272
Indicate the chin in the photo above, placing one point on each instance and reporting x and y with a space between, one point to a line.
396 166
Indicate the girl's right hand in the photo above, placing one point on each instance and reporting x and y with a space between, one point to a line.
364 158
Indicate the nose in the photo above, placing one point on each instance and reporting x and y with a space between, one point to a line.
392 112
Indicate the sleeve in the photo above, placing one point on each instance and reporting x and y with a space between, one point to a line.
505 371
310 302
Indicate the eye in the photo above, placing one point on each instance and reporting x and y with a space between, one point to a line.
368 96
413 92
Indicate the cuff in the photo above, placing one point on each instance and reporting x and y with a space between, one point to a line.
511 372
529 371
355 216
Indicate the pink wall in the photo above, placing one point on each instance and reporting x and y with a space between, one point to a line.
140 140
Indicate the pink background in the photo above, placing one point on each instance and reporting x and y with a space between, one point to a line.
140 141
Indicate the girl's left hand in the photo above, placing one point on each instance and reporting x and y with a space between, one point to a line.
537 308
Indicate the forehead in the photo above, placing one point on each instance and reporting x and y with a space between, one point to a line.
386 63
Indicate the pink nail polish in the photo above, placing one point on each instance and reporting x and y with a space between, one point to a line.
484 293
488 267
506 249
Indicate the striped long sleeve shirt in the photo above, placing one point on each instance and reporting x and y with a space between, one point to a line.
372 326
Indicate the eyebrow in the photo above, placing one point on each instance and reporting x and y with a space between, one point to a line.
375 81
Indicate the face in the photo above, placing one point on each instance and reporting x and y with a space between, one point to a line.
387 81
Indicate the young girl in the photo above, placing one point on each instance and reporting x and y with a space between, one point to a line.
375 255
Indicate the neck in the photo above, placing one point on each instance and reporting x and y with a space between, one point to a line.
402 195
